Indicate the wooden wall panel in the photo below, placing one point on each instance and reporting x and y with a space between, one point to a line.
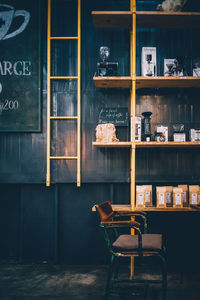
23 156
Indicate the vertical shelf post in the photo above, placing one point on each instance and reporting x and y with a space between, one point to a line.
132 109
133 99
48 92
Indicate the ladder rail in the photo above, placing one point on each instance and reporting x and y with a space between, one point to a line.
49 78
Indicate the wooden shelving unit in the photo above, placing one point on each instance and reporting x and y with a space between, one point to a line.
147 82
146 19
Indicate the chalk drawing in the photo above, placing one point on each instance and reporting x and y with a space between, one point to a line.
7 14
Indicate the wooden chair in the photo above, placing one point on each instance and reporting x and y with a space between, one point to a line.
127 245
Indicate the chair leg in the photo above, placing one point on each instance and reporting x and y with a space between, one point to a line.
164 278
116 268
110 273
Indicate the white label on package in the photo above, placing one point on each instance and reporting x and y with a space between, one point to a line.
140 199
161 198
194 198
147 197
178 199
168 197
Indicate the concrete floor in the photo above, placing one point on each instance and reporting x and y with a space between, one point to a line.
63 282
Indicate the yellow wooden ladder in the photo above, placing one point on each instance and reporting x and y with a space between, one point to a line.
51 118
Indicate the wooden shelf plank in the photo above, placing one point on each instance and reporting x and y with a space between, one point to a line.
147 82
155 19
167 82
113 82
146 19
112 145
148 144
167 144
112 19
127 207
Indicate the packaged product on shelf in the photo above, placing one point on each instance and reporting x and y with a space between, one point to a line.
169 198
177 197
194 135
185 194
193 194
138 128
164 131
140 195
196 67
196 72
148 61
161 196
169 67
148 195
179 137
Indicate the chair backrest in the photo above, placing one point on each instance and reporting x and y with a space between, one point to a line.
105 211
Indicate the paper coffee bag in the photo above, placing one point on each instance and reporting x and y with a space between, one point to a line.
177 197
161 196
140 195
193 194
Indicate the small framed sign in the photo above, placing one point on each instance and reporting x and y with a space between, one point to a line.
118 116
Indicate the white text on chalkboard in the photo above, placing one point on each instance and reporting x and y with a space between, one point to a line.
9 105
18 68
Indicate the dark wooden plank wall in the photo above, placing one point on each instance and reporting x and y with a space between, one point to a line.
56 223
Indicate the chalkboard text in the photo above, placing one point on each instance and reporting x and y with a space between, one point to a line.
18 68
9 105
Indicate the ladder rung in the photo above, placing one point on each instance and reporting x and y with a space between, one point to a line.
64 37
64 118
64 77
63 157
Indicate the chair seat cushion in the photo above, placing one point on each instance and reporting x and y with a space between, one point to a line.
130 242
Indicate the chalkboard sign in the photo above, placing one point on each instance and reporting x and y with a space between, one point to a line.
116 115
20 76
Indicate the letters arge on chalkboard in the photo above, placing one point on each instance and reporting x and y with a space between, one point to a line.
20 66
118 116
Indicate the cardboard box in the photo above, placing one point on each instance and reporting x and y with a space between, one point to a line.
194 135
148 62
164 130
179 137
